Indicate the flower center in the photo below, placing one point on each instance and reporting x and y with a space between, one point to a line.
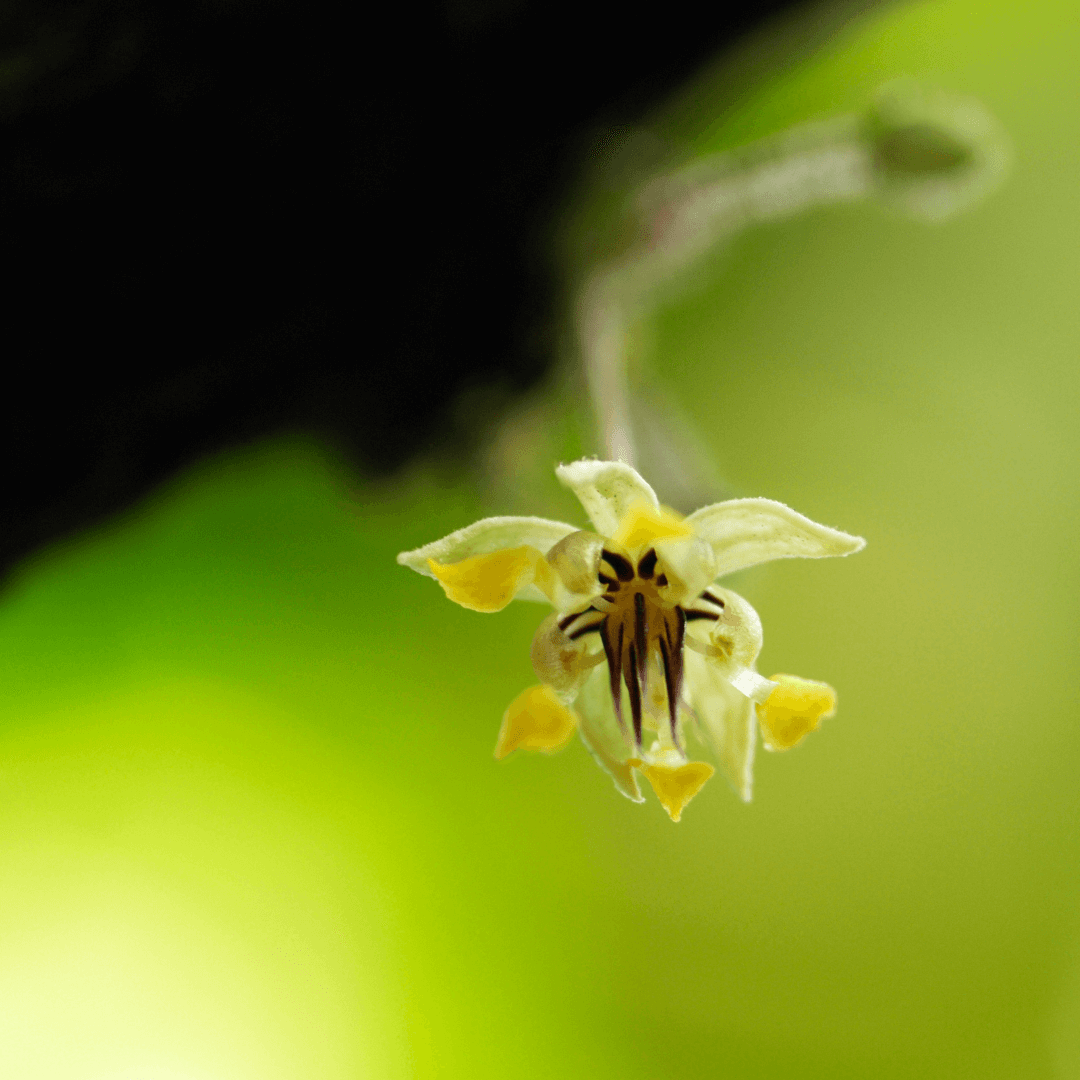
641 632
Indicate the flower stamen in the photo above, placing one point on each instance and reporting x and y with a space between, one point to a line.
672 689
694 616
647 564
648 626
621 566
613 654
564 623
640 636
633 688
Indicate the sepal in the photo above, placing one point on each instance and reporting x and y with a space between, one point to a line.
485 537
745 532
607 490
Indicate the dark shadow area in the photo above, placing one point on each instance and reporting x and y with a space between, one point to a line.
226 220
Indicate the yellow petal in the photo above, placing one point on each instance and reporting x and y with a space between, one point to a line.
644 525
794 709
535 720
676 785
486 582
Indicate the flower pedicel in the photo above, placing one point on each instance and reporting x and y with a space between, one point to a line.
642 640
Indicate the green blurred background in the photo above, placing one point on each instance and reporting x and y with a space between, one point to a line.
252 827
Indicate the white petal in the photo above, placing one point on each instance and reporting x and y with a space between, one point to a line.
485 536
745 532
727 722
607 489
602 734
